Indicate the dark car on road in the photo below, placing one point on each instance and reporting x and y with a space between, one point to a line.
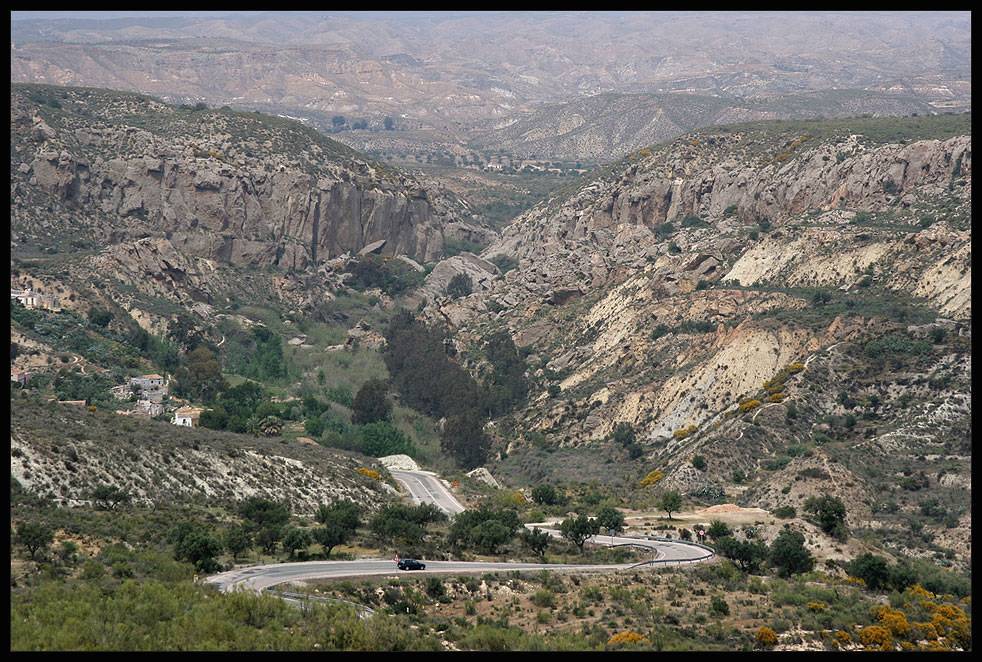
411 564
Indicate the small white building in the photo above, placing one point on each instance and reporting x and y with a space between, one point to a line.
187 416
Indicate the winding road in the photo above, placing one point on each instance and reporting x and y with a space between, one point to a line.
425 487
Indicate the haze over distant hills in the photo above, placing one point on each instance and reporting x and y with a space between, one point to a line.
452 72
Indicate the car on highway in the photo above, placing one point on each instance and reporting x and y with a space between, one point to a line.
411 564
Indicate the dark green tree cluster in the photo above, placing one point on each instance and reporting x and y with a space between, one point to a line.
370 403
200 376
405 524
265 521
256 354
387 274
508 385
485 528
789 555
430 382
108 497
197 545
748 554
547 495
91 387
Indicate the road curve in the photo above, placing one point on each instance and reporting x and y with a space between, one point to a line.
426 488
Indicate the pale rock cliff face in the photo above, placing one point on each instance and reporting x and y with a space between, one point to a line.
598 273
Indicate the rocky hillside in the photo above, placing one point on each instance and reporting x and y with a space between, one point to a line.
696 290
61 451
608 126
92 168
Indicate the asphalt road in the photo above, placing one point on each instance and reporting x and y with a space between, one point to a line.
427 488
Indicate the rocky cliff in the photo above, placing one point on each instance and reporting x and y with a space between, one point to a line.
667 291
92 167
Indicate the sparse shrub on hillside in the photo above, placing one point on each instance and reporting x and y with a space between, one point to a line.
459 286
694 221
682 433
369 473
830 514
504 263
748 405
785 512
765 637
659 331
626 638
392 276
652 478
699 462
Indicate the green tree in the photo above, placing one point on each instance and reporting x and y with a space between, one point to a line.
578 529
238 540
459 286
485 528
344 513
718 530
296 540
389 124
464 439
830 513
198 546
610 519
749 555
671 501
371 404
872 569
545 494
107 497
268 537
264 512
330 536
699 462
34 536
536 540
314 426
338 121
789 554
200 377
382 438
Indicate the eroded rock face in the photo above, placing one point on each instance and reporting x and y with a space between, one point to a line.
645 315
232 187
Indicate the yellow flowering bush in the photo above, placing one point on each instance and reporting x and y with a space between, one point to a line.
370 473
766 637
747 405
626 637
652 478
